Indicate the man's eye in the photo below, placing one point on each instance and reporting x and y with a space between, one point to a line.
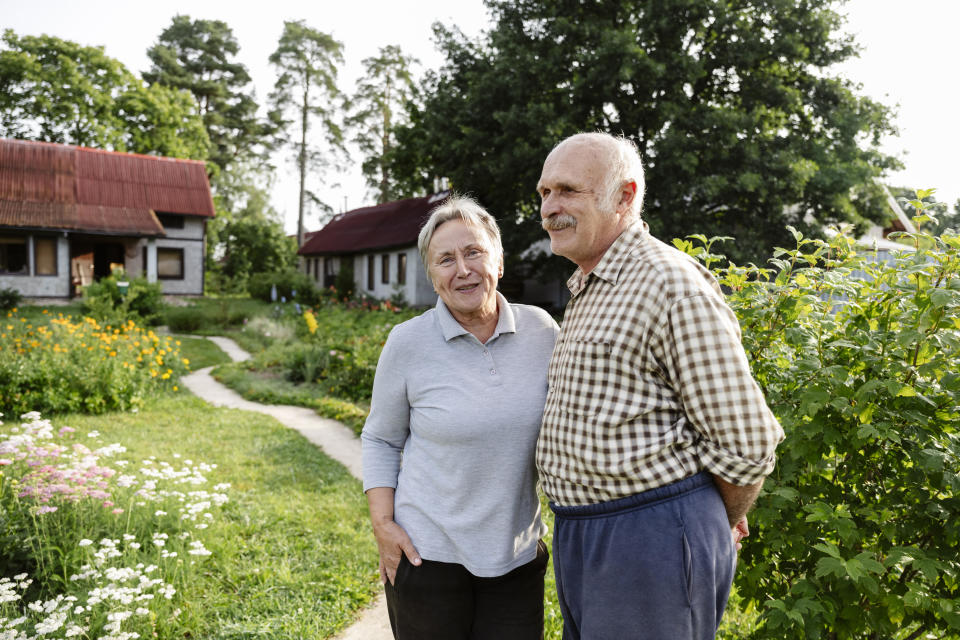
473 253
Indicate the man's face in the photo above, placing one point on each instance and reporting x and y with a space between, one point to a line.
573 207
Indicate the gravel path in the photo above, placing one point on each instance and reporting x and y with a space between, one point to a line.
336 441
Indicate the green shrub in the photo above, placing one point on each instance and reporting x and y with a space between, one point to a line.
292 286
9 299
856 534
142 302
184 319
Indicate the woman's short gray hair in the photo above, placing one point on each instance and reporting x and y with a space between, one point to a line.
458 207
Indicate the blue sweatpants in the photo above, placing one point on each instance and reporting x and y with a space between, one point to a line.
657 565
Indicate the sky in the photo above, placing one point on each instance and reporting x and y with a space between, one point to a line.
909 61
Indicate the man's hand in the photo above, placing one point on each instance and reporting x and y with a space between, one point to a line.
740 531
392 541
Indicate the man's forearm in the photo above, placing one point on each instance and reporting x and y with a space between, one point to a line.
736 499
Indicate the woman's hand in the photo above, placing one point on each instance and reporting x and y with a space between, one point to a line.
392 541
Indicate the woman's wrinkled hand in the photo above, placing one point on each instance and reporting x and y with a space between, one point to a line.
392 541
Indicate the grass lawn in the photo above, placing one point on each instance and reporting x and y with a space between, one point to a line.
293 556
201 352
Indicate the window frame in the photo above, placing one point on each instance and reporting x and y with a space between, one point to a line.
56 261
26 254
402 268
179 252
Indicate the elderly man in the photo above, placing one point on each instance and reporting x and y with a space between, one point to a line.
655 438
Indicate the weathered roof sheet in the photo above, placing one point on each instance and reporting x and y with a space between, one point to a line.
54 186
392 224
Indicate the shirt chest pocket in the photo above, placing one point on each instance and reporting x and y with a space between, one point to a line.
589 377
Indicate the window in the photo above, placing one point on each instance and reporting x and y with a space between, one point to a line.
170 220
370 277
13 255
385 268
45 256
170 264
401 268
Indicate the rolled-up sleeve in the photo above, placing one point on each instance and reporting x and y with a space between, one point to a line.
387 427
720 397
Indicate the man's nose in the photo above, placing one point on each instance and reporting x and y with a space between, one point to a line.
548 206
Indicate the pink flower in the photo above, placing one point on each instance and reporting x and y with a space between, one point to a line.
45 509
117 511
4 462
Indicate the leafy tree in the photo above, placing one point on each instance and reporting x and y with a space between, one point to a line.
246 237
376 106
742 126
55 90
306 88
198 56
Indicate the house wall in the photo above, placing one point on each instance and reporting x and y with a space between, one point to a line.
191 240
35 286
417 291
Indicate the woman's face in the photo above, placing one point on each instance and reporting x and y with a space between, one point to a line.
464 269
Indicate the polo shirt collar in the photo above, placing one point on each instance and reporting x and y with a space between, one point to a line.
506 323
610 265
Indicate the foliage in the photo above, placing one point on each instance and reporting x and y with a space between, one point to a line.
859 360
345 285
375 109
197 56
306 89
212 315
55 90
142 302
289 285
82 366
307 574
9 299
742 124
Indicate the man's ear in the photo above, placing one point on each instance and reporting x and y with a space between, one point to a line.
627 195
500 268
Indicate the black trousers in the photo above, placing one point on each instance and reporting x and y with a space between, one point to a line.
443 601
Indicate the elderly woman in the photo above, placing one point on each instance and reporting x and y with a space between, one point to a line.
448 448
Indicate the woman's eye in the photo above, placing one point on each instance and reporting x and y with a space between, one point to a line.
446 261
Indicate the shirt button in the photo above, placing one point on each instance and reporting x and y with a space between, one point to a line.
493 371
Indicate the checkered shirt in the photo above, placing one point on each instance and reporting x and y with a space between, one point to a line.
648 382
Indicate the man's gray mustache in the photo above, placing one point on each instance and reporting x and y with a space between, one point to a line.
558 222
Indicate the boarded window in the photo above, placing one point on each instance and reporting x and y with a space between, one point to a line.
385 268
371 279
402 268
170 264
45 256
13 255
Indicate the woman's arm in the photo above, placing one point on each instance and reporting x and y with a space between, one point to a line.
392 540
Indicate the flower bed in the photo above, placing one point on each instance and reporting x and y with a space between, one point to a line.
82 366
62 491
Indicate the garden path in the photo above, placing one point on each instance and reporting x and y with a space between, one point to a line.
336 440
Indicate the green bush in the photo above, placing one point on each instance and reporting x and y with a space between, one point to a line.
9 299
293 286
142 302
856 533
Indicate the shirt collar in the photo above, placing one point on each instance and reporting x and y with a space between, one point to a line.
506 323
611 263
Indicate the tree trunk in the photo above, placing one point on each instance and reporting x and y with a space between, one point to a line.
304 123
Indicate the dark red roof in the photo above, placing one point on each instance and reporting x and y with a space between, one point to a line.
55 186
392 224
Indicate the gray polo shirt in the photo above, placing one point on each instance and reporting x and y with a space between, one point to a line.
464 418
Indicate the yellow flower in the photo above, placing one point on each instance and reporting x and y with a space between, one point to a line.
186 362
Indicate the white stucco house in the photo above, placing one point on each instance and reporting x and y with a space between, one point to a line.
70 215
380 244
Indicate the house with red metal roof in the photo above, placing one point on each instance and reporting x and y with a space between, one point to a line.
379 244
70 215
